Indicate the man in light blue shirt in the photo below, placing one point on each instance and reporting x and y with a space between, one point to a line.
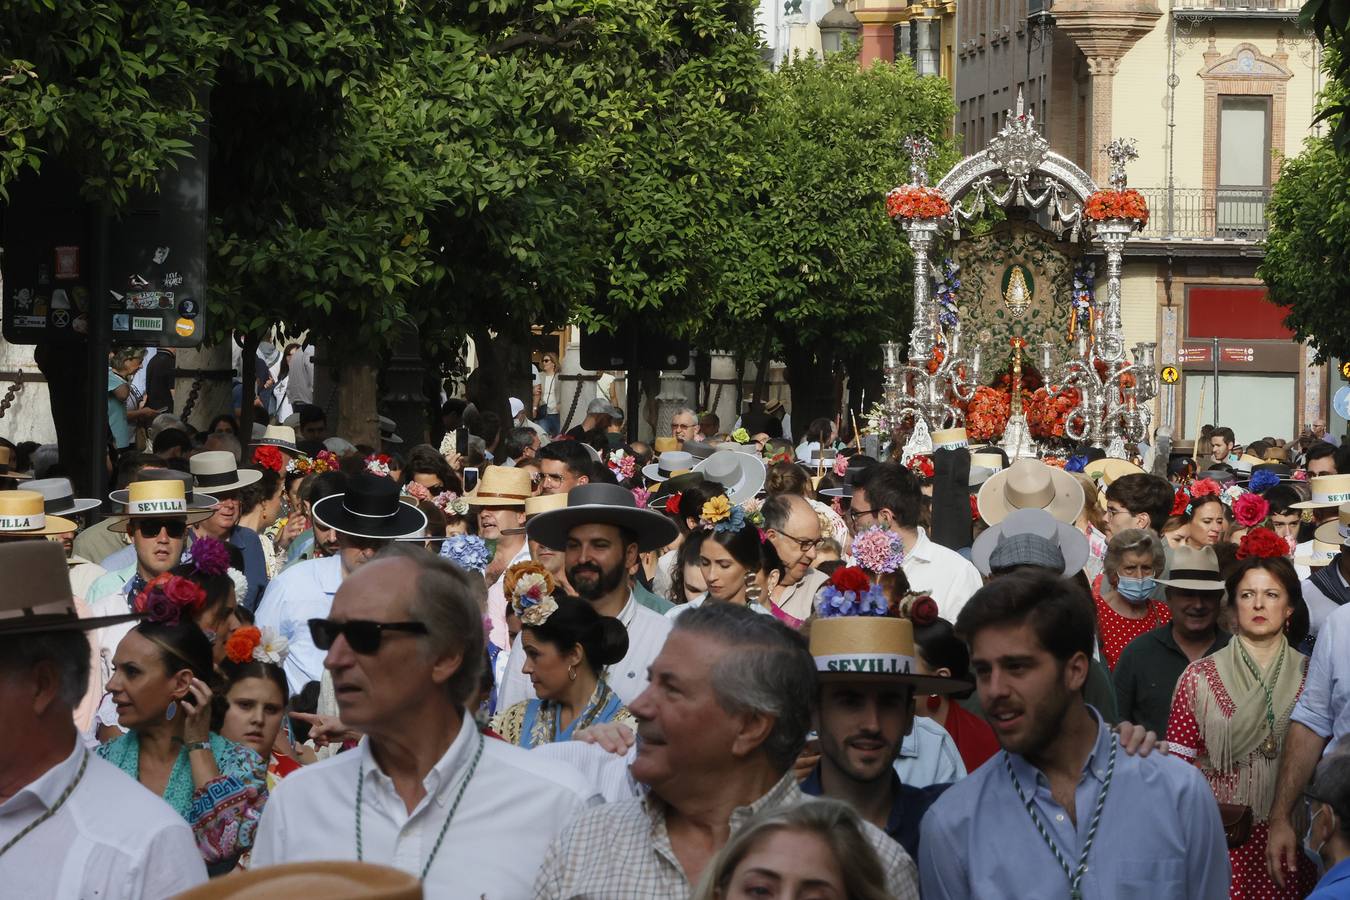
1321 719
1063 811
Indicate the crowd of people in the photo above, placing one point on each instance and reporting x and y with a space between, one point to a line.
722 664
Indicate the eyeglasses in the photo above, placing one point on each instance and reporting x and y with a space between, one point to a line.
150 528
362 635
805 545
855 514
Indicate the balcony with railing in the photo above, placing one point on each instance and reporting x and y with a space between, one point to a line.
1256 9
1232 214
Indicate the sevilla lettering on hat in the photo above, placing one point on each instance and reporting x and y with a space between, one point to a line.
22 523
868 663
151 507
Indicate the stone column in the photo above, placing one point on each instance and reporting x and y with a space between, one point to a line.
878 42
1104 31
676 393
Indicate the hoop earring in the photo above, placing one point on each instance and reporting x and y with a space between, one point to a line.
171 710
571 673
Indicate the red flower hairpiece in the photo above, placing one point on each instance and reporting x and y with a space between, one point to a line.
1203 487
1262 543
1180 501
167 597
920 609
241 644
269 458
851 578
673 503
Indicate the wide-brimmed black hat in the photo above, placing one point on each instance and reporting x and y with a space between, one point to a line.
676 485
46 602
370 508
602 504
856 466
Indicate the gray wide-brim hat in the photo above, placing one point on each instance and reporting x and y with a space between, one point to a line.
58 497
1070 544
1191 569
602 504
742 474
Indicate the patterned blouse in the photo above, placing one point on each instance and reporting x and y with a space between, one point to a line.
531 723
224 812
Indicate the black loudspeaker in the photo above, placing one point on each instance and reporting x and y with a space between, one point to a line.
628 347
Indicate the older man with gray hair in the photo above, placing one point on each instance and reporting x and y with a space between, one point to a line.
425 792
684 425
724 718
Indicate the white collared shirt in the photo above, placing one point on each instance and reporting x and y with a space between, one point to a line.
947 576
1319 604
111 839
647 630
512 808
799 599
300 593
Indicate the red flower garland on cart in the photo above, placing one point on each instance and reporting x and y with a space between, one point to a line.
1112 204
911 201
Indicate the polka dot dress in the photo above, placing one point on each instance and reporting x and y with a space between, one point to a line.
1117 631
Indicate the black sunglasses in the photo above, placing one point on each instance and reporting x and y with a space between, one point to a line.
362 635
150 528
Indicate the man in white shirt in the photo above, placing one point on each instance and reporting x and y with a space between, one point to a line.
888 495
601 532
71 825
367 517
425 792
793 527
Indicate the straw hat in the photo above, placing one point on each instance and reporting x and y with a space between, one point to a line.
742 474
1337 532
334 880
157 498
602 504
544 503
501 486
1246 461
1031 484
194 499
869 648
7 464
1322 554
665 444
46 602
23 513
1108 469
1194 570
993 461
950 439
218 471
1327 490
280 436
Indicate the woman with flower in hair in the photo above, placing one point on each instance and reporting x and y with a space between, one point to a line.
567 647
255 701
161 687
216 568
1231 710
731 559
1206 516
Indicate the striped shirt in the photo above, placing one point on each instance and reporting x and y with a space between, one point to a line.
622 850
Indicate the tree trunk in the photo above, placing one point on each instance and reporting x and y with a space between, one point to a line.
762 377
358 418
503 372
811 380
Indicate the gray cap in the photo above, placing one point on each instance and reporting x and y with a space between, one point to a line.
1026 550
601 407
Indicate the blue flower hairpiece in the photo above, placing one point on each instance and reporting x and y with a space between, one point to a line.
1077 463
468 551
1262 480
734 522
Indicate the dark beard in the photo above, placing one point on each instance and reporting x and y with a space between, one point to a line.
593 590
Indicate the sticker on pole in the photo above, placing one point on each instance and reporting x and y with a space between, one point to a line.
1169 375
1345 370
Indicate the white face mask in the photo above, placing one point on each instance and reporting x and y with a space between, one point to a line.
1314 853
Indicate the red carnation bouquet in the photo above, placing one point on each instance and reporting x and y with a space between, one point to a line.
1111 204
912 201
1262 543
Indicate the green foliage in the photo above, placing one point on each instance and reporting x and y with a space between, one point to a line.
1330 21
814 261
1307 263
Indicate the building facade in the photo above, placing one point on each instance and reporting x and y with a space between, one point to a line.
1216 93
